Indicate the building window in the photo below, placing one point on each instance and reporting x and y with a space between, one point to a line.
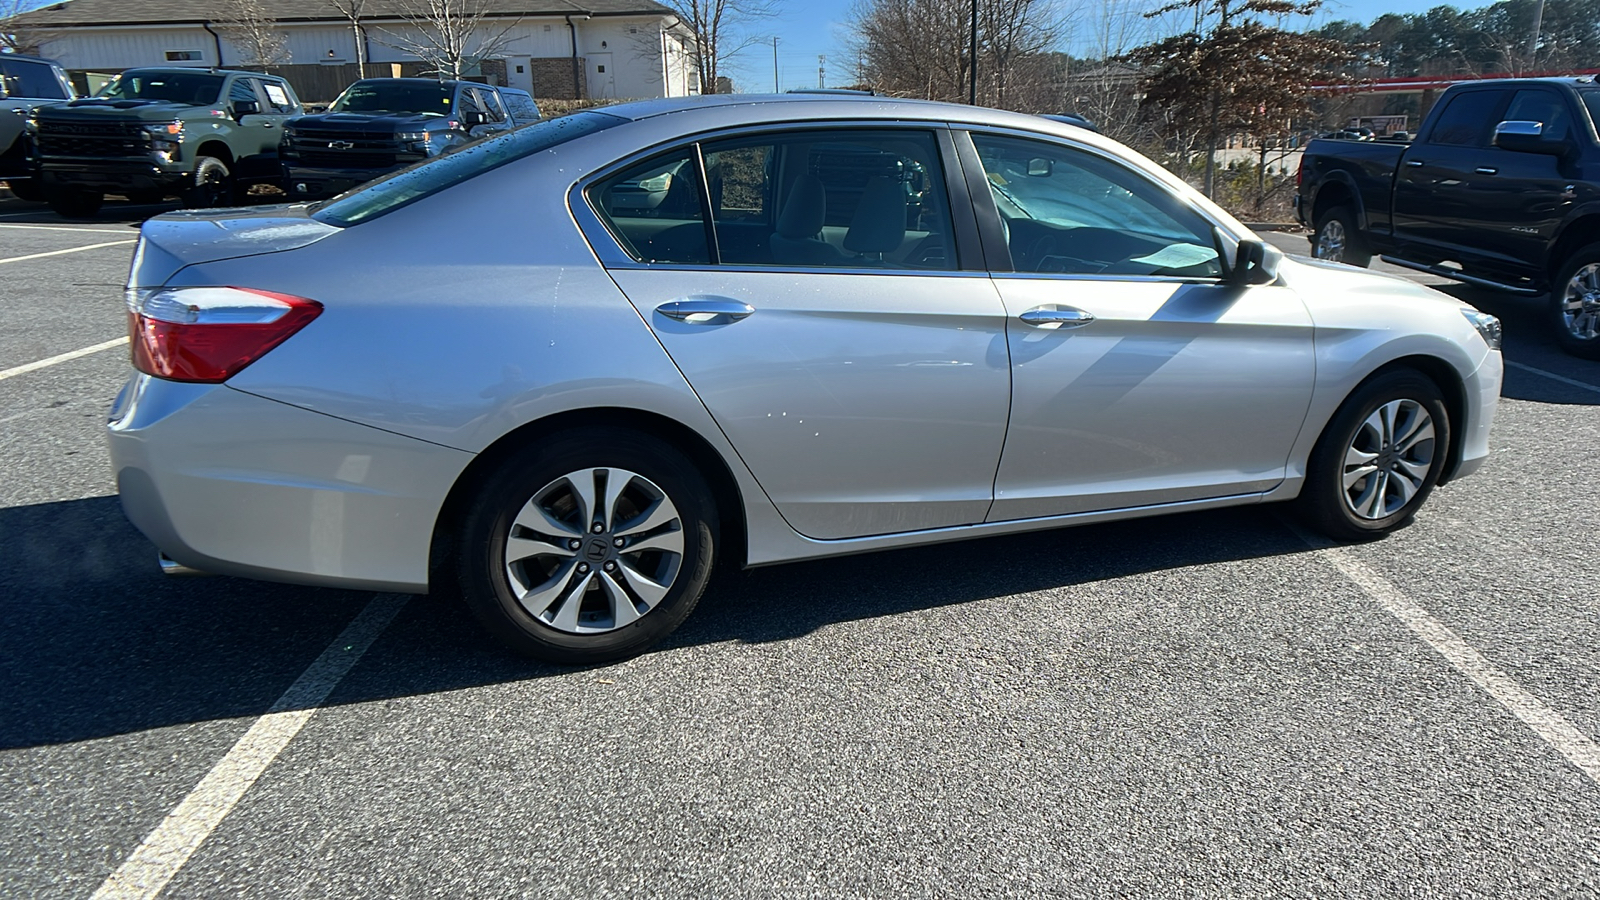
184 56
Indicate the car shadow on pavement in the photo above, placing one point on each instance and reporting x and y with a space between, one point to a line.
98 643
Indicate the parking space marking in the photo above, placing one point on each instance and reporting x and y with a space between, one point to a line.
152 865
1551 727
66 228
60 358
1561 378
68 250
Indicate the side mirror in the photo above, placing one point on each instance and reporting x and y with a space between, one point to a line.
1040 168
471 118
1527 137
242 108
1254 262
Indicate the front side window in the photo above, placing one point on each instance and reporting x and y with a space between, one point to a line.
1544 107
491 104
243 90
1068 211
1591 100
191 88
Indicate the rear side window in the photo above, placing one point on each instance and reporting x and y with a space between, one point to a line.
522 107
30 80
1468 119
653 209
429 177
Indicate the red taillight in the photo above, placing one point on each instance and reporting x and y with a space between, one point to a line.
208 334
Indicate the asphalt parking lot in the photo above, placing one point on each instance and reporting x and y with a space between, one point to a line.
1209 705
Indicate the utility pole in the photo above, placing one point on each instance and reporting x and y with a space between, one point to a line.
822 70
972 58
1538 25
775 88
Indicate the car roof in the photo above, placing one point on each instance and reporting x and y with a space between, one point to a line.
26 58
191 70
798 106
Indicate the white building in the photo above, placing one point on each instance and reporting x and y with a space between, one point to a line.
599 49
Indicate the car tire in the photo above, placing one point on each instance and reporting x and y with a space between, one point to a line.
74 203
27 190
212 185
1337 238
1378 458
1575 303
544 572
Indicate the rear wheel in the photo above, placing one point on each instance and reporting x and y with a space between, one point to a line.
1576 303
589 547
212 185
75 203
1338 239
1378 459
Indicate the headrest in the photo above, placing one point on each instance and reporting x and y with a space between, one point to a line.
879 225
802 213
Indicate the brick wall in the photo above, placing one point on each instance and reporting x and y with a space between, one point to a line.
552 78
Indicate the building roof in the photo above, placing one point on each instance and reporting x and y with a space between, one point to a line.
171 12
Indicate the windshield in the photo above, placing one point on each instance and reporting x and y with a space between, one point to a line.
1591 99
395 97
409 185
192 88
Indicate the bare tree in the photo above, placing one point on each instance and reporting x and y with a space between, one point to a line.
922 48
721 30
254 32
452 36
1102 87
353 10
17 37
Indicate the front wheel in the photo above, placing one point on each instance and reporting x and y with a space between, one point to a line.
1378 459
212 185
589 547
1576 303
1338 238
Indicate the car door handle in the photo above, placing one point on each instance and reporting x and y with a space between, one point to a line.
706 310
1415 163
1487 170
1054 316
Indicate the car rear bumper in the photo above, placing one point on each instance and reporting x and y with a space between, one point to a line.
234 484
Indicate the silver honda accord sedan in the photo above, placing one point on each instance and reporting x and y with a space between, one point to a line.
569 370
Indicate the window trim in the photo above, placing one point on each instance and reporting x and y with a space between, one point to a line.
994 242
608 246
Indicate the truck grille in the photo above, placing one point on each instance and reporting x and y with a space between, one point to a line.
90 139
366 150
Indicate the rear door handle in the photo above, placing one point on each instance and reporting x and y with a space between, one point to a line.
1056 316
1486 170
706 310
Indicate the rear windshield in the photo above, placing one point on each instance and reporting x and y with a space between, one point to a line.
395 97
432 176
193 88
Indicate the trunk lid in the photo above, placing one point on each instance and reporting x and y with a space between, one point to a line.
172 241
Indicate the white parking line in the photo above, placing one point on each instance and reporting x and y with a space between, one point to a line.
153 863
1561 378
60 358
68 250
67 228
1551 727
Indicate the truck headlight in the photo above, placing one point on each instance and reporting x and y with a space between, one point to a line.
411 137
165 139
1488 326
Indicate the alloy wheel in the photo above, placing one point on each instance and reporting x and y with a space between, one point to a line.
1331 241
1388 459
1580 304
594 550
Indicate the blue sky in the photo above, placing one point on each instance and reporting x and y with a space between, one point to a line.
808 28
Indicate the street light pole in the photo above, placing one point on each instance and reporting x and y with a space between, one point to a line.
972 59
775 88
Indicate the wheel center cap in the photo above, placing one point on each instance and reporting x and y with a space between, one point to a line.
596 549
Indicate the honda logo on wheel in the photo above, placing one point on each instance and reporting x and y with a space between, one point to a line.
340 145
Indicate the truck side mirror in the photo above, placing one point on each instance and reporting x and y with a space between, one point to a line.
471 118
242 108
1527 137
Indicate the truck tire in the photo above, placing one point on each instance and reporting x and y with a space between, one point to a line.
75 203
212 185
1338 239
1575 303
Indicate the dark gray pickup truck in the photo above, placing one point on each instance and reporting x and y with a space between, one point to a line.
1501 188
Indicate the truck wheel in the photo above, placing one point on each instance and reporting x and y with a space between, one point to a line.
1575 303
1337 239
73 203
26 189
213 184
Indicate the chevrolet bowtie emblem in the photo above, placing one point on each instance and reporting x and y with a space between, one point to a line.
340 145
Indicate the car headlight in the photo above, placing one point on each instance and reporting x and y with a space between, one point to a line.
1488 326
411 137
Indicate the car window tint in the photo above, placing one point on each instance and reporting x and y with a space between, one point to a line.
1591 99
242 89
1467 120
34 81
399 189
654 210
833 199
522 107
491 103
278 96
1069 211
1545 107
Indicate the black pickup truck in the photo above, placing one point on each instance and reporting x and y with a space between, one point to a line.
381 124
1501 189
